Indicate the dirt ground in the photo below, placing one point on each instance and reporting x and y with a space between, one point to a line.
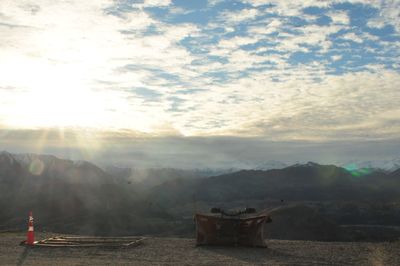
177 251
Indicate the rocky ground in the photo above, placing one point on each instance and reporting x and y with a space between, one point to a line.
178 251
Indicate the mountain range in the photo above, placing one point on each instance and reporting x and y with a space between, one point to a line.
80 197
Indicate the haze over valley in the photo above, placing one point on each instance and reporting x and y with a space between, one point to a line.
80 197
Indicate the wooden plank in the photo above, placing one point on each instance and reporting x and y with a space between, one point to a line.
83 242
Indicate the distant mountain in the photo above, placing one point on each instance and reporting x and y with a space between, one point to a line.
268 165
395 174
80 197
10 169
389 165
118 172
69 196
307 182
68 170
146 178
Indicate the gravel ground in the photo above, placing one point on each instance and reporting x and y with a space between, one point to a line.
178 251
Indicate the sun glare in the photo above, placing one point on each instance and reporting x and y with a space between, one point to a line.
64 95
56 96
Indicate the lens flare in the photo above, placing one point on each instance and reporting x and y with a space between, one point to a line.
357 171
36 167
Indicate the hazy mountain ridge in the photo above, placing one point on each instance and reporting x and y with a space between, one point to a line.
312 201
67 196
298 182
389 165
74 171
146 178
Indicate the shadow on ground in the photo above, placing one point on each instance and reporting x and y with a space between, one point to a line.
23 256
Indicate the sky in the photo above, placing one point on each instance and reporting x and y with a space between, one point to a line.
201 83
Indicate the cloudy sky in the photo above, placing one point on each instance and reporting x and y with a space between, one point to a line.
170 82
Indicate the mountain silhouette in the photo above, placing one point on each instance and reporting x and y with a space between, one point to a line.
79 197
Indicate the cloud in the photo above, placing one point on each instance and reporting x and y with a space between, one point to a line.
340 18
390 13
389 9
264 29
236 42
79 46
351 36
336 57
239 16
287 8
157 3
307 110
259 70
309 35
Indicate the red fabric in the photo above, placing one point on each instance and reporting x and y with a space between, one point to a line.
215 230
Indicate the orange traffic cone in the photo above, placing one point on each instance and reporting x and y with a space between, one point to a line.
30 237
